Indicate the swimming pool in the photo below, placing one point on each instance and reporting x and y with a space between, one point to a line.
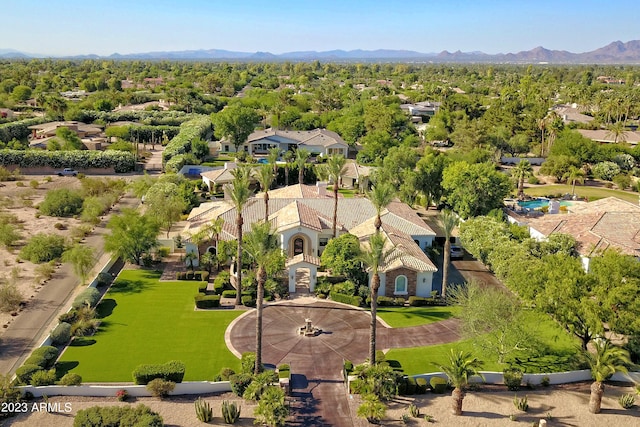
539 203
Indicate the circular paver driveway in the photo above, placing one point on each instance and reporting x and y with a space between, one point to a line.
345 335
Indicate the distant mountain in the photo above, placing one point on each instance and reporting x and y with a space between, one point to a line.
614 53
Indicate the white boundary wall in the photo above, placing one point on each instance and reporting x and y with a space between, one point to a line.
191 387
535 379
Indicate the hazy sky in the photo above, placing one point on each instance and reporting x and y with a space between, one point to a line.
70 27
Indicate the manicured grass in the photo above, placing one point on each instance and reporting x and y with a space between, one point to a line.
559 351
591 193
402 317
147 321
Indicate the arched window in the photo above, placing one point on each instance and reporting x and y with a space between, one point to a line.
298 246
401 285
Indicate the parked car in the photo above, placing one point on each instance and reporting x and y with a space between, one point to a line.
68 172
456 252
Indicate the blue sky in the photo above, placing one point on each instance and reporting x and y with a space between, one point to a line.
70 27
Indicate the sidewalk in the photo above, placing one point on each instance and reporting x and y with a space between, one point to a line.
34 323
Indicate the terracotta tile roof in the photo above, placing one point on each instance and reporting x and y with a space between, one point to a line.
601 135
303 258
316 137
609 222
298 191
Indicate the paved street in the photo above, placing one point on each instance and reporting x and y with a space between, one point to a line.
32 325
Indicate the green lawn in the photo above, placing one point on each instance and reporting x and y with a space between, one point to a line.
147 321
402 317
559 355
591 193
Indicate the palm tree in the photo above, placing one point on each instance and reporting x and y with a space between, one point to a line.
606 361
449 221
461 367
265 178
375 257
336 169
301 159
572 176
272 158
239 193
520 172
287 157
617 131
262 246
381 195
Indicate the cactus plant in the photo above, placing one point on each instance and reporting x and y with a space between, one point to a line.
203 410
627 400
230 412
521 404
414 411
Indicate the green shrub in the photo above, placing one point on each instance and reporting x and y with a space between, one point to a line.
71 378
438 385
545 381
421 385
163 252
627 400
225 374
45 356
414 411
181 275
43 377
160 388
201 275
230 293
248 301
411 386
207 301
88 297
348 366
521 404
117 416
204 413
240 382
24 373
61 203
415 301
61 334
346 299
385 301
230 412
171 371
202 288
43 248
512 378
221 281
248 361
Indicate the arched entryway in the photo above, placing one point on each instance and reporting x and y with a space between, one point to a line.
299 244
303 273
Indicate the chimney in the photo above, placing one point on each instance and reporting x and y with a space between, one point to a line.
322 188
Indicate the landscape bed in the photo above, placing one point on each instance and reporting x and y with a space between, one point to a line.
148 321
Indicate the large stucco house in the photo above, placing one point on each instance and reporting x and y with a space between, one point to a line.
318 141
302 216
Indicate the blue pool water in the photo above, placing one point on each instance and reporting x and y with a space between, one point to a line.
539 203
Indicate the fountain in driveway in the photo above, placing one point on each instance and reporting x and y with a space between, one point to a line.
308 330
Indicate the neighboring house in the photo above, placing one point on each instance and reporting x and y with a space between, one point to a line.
421 111
355 175
596 226
6 113
92 136
607 137
571 114
302 216
319 141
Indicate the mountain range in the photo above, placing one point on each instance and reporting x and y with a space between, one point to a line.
613 53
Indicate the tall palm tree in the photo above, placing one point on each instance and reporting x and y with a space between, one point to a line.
265 178
375 257
617 131
520 172
336 167
239 193
449 221
606 361
301 159
461 367
572 176
272 158
262 246
287 157
381 195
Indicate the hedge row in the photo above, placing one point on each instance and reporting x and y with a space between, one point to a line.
117 416
346 299
388 301
197 127
207 301
170 371
43 357
19 129
171 118
120 161
198 275
422 301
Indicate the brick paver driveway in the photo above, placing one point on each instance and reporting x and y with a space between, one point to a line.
320 398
